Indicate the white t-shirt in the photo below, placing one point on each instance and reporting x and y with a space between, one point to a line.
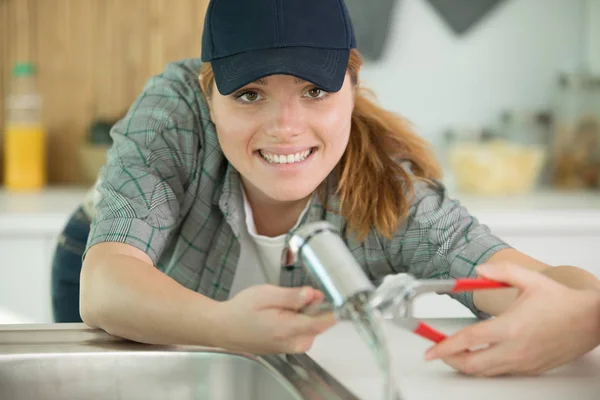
260 256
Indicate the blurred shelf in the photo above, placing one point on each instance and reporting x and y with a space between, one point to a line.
540 212
42 212
46 211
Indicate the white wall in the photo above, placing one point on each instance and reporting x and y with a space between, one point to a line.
511 60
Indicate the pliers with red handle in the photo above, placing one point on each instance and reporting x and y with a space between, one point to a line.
394 297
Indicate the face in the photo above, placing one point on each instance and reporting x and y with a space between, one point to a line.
283 135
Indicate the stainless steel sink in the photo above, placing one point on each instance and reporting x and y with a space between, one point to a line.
75 362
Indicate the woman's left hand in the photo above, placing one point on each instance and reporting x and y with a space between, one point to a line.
548 325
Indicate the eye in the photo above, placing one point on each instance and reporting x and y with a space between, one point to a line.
248 96
316 93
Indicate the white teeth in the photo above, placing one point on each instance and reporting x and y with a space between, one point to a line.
285 159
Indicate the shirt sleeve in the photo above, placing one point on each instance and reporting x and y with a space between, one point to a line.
441 239
140 196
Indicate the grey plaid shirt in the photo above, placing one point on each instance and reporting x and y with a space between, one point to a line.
168 190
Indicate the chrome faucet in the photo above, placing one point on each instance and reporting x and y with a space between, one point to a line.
351 296
319 248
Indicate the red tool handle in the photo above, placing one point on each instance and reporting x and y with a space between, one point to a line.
429 333
468 284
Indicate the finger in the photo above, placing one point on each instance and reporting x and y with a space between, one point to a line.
501 370
288 298
491 361
519 363
317 305
480 334
516 276
454 360
300 344
300 324
318 296
323 322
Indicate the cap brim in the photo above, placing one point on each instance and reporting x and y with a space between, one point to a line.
326 68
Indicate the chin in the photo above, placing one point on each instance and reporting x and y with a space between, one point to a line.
290 192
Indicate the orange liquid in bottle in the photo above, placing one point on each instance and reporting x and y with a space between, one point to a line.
25 157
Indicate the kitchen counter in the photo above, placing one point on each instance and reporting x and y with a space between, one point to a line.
46 211
341 352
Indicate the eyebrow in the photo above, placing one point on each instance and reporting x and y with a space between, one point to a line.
263 82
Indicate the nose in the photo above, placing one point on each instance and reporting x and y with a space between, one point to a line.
287 120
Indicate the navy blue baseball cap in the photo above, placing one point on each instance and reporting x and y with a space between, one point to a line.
246 40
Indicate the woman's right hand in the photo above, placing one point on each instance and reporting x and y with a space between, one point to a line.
266 319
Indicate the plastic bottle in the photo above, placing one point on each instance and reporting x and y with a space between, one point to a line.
24 135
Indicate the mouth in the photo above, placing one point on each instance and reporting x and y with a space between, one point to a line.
287 159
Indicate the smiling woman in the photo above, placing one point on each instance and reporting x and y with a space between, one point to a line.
344 129
221 159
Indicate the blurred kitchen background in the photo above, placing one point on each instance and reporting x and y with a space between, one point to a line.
507 92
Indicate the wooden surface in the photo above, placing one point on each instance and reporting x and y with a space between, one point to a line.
93 58
3 65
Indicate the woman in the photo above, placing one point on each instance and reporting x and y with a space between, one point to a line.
217 162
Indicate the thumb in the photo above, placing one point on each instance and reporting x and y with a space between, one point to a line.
290 298
514 275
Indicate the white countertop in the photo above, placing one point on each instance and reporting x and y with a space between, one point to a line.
46 211
343 354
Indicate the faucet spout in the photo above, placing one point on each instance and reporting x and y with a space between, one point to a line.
320 249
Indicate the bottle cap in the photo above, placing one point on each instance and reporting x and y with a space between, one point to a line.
23 69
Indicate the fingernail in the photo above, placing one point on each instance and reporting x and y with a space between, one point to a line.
430 355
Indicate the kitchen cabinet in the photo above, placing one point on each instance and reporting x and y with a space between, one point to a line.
25 276
29 227
555 228
560 250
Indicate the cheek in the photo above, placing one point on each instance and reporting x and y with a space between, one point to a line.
234 129
335 126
